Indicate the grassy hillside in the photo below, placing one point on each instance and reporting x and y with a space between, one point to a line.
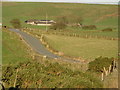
13 49
100 15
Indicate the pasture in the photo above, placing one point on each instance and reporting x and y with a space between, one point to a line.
86 48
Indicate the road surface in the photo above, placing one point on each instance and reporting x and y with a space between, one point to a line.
39 47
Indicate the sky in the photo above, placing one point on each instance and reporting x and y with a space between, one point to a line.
72 1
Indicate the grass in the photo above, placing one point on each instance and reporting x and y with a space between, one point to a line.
13 49
44 73
16 56
106 17
112 80
82 47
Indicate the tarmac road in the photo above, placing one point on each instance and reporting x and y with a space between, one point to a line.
39 47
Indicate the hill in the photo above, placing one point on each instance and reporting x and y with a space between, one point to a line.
100 15
39 72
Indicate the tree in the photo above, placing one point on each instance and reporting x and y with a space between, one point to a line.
74 20
61 23
16 23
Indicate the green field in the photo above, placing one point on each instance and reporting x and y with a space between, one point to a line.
13 49
49 73
100 15
83 47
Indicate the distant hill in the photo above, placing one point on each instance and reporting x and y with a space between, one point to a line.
100 15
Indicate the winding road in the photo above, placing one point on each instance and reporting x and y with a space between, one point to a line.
39 47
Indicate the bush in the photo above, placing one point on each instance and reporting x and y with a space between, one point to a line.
16 23
61 23
90 27
47 74
98 64
58 25
107 29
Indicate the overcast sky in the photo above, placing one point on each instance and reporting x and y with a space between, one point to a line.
76 1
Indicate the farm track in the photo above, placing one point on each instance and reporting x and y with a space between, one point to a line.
37 46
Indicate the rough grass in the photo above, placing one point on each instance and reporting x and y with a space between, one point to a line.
44 74
100 15
13 49
111 81
87 48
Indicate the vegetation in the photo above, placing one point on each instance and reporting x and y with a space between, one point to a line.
44 74
14 49
61 23
16 23
85 48
89 27
107 29
111 81
106 17
74 20
93 40
99 63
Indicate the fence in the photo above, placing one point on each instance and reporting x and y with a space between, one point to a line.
108 71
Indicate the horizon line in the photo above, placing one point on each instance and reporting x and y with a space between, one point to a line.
111 3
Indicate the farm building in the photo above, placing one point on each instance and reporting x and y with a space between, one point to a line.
40 22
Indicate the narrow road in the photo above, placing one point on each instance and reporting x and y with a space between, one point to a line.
39 47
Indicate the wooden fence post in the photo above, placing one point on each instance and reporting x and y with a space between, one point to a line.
47 46
33 57
15 78
44 57
106 72
102 76
109 69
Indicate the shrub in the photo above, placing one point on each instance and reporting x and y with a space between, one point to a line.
107 29
47 74
90 27
100 62
61 23
16 23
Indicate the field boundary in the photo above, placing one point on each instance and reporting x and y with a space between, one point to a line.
71 34
84 36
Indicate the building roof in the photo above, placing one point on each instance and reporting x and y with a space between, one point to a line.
35 20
